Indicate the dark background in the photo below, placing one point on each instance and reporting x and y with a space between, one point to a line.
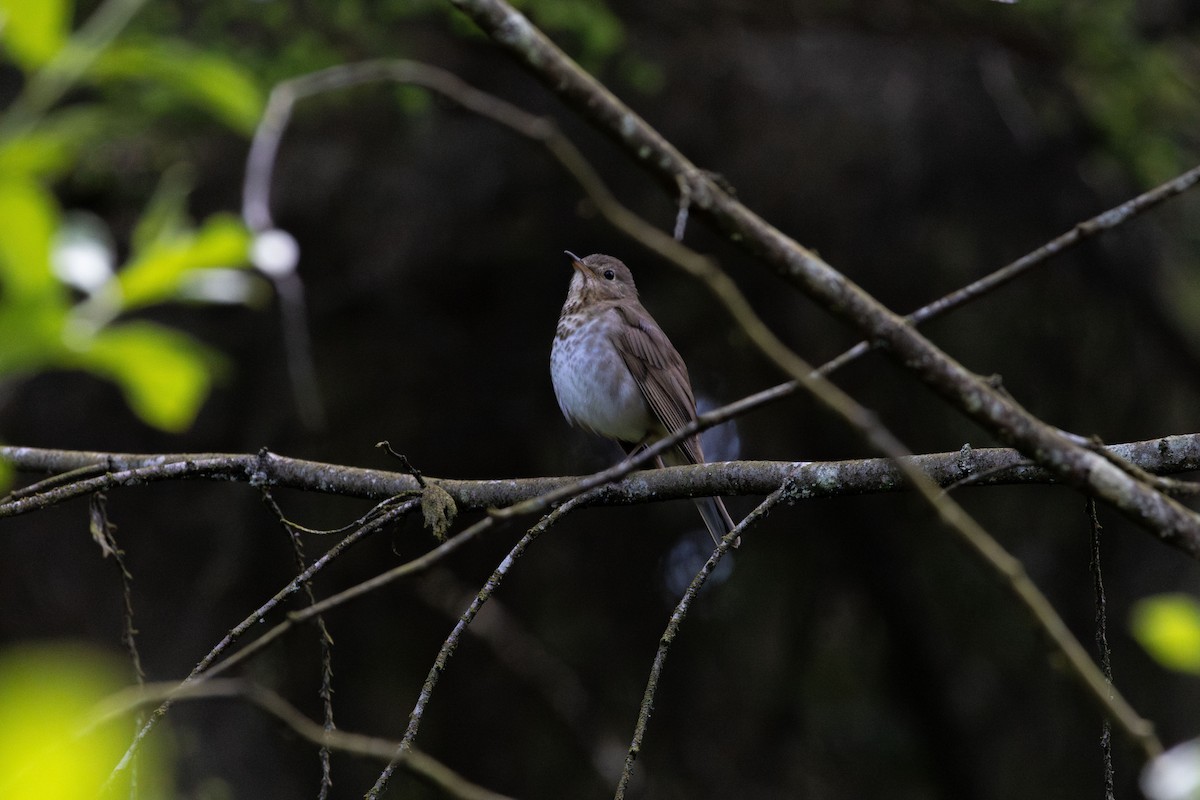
855 649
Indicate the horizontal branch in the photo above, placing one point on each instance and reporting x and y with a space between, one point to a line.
85 472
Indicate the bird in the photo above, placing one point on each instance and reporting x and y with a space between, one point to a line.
616 374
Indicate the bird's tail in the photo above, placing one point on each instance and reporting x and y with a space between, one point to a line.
716 518
712 510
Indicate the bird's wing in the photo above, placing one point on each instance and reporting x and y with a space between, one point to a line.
660 373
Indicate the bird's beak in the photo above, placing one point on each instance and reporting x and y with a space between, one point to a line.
576 261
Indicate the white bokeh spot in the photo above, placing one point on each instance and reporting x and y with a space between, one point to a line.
82 255
275 253
1175 775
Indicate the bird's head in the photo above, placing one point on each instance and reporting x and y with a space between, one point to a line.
600 277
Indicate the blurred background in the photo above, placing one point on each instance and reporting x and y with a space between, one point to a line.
853 649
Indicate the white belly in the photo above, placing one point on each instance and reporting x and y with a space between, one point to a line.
594 388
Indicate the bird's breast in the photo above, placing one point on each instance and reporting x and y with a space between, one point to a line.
595 389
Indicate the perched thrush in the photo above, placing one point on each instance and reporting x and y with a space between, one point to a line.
617 374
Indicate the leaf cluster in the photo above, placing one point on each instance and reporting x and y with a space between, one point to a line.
69 292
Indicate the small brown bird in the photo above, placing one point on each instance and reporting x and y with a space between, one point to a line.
617 374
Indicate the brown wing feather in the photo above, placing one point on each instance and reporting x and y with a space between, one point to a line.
660 373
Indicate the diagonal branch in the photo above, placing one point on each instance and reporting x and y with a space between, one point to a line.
448 647
672 630
416 761
202 669
1104 221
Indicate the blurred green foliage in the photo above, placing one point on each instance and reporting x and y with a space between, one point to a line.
1132 75
278 40
35 32
63 301
172 71
1137 87
1168 626
50 748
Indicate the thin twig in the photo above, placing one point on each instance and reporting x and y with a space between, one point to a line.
419 763
326 641
676 621
448 646
103 531
386 446
59 480
1102 649
1104 221
370 526
528 657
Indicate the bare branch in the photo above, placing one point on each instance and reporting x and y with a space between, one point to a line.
672 629
202 670
448 647
325 640
1104 221
516 646
415 761
1102 649
808 480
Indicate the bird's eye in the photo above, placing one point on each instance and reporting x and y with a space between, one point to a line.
609 274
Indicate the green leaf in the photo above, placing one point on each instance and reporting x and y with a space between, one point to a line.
1168 626
28 218
30 336
164 374
210 81
34 155
155 275
33 31
55 145
33 304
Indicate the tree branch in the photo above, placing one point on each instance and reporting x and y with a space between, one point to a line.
417 762
451 643
202 671
97 471
672 630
